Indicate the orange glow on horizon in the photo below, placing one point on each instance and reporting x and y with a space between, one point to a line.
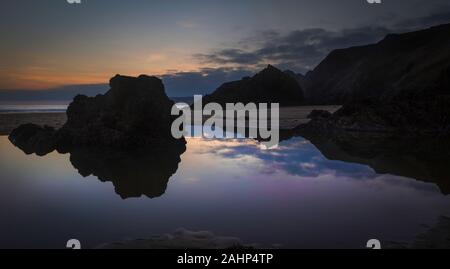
46 71
37 79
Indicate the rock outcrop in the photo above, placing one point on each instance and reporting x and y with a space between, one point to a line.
401 65
426 117
134 113
399 85
268 86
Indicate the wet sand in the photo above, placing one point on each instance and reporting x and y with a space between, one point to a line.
290 117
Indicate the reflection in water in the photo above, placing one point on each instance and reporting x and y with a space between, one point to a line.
147 171
424 159
293 196
133 174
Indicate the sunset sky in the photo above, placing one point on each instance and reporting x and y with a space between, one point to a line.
50 43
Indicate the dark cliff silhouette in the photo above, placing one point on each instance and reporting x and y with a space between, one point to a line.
400 84
268 86
401 65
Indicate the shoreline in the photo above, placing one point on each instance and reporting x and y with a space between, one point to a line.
290 117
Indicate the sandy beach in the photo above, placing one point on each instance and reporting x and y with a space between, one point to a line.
290 117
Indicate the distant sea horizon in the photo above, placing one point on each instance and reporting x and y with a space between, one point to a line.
51 106
33 108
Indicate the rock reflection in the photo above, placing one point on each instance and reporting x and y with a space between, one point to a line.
133 174
423 159
426 159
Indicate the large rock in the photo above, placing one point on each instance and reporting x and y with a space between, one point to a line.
134 113
425 117
268 86
401 65
399 85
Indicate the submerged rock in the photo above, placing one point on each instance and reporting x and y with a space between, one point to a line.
135 112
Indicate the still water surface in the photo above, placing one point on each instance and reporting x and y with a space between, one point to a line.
292 196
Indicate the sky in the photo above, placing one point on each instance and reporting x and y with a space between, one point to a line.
194 45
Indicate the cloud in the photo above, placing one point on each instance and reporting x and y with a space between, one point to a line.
439 17
206 80
299 50
296 157
302 50
235 56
